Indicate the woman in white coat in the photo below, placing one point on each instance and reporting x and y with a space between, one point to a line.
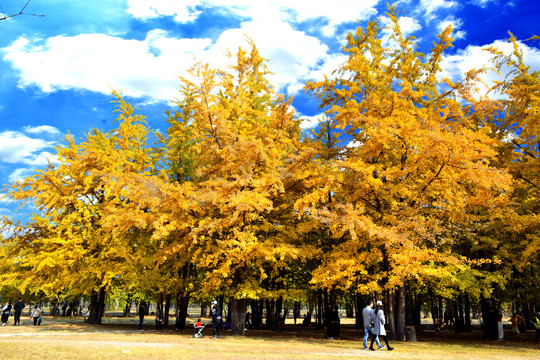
378 327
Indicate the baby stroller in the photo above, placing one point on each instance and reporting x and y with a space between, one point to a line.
198 330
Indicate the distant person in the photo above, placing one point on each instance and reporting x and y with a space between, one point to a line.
216 319
6 311
378 327
248 320
159 318
515 320
368 314
307 319
500 328
36 315
18 307
142 312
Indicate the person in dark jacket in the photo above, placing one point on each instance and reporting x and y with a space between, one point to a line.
216 319
6 310
18 307
142 312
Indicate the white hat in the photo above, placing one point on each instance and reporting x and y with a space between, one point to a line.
214 302
379 303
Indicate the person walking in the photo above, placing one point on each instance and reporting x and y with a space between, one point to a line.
368 314
6 310
36 314
18 307
515 320
142 312
159 318
378 327
216 320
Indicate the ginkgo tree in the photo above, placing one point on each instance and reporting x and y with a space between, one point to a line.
419 160
219 205
64 249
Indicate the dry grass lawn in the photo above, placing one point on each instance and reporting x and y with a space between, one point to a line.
66 338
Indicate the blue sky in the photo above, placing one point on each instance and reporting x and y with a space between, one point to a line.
57 71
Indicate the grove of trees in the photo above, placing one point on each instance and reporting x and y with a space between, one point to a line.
413 189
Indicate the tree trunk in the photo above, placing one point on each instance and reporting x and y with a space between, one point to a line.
182 304
320 310
204 309
468 326
237 316
400 313
166 311
97 306
390 313
270 309
127 309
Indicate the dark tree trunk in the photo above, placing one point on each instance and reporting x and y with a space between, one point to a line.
320 307
390 313
468 327
237 316
270 309
400 313
204 309
182 304
97 306
459 323
166 311
127 309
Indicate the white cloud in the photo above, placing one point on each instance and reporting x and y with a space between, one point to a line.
100 62
41 129
310 122
429 7
16 148
20 174
290 60
456 25
338 12
474 57
482 3
149 68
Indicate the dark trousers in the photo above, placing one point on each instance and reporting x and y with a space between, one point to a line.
17 318
216 326
35 321
380 336
141 319
5 318
159 325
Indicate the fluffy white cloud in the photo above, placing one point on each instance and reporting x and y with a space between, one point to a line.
17 148
297 10
456 25
429 7
149 68
476 57
100 62
20 174
41 129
